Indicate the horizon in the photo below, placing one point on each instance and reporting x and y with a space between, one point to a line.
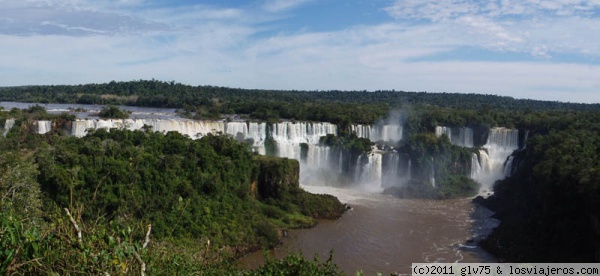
527 50
311 91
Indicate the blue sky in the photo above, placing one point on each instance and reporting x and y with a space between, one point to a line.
538 49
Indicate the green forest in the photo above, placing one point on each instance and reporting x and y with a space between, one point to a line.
205 202
340 107
90 205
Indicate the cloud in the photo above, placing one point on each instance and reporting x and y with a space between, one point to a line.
540 28
275 6
435 10
68 18
83 41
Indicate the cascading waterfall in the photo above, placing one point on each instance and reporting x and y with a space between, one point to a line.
391 176
409 170
475 166
493 160
8 125
371 172
377 133
191 128
375 170
319 161
432 174
289 136
44 126
461 137
441 130
316 168
508 166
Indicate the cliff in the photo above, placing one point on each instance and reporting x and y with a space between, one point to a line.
277 177
278 184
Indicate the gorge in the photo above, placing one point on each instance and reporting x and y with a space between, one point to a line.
414 148
384 165
384 161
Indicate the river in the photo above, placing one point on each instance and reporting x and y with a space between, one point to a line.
385 234
380 234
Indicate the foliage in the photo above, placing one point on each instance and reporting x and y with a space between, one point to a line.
113 112
204 188
348 142
193 192
439 169
295 264
340 107
552 199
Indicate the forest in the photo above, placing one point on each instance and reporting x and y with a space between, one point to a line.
91 205
340 107
549 207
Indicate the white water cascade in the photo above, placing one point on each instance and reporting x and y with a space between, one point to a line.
320 164
492 162
390 174
370 173
289 136
379 133
44 126
185 127
8 125
432 174
461 137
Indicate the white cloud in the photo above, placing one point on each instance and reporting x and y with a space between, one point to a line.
542 28
68 18
283 5
80 41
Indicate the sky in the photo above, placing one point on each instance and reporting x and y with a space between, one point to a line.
535 49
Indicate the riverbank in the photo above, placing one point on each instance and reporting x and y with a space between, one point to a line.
392 232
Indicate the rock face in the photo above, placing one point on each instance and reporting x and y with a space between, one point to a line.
277 177
279 183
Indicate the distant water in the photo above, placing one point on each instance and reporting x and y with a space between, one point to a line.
91 110
385 234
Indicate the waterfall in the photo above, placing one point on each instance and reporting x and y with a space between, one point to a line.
390 175
432 174
340 162
371 172
475 167
462 137
8 125
44 126
289 136
494 162
316 169
377 133
441 130
191 128
321 165
318 156
409 170
508 167
465 137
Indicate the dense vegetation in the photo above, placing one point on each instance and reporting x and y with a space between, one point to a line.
340 107
113 112
203 199
451 163
549 207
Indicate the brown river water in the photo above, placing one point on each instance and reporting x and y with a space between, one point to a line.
385 234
